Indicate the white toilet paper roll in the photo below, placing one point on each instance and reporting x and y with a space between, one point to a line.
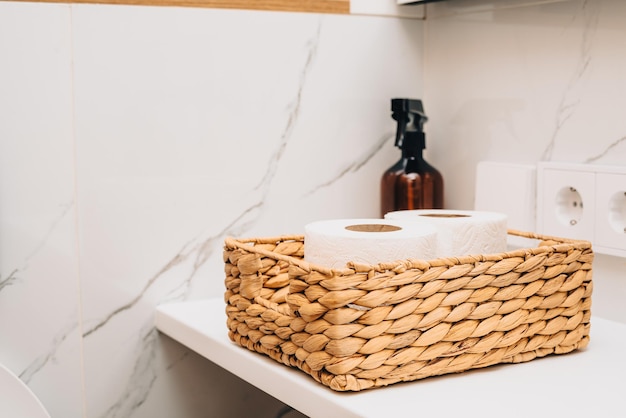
333 243
461 232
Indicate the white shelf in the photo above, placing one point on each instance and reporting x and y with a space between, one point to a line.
579 384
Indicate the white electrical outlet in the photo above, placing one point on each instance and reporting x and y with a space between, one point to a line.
611 212
566 200
583 201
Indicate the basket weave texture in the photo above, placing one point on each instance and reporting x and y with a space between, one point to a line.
370 326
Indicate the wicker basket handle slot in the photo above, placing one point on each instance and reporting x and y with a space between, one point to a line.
245 245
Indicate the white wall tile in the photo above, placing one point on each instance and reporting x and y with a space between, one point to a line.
194 124
39 300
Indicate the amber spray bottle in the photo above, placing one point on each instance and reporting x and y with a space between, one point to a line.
411 183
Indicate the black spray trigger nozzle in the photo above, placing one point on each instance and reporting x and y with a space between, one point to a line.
409 113
402 119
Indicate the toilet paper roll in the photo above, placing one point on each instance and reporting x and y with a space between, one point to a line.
461 232
332 243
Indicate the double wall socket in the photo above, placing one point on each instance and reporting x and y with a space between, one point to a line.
583 201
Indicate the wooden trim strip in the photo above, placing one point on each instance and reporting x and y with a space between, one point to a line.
311 6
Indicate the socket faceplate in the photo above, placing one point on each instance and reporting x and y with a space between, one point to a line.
611 213
566 201
583 201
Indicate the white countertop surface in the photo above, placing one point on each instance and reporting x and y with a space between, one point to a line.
586 383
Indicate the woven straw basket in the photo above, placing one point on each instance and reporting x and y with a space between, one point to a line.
370 326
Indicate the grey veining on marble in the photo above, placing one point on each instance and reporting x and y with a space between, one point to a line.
36 247
357 164
49 355
9 279
294 112
142 377
589 13
612 146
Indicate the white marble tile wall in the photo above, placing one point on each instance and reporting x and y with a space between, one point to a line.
133 140
543 82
